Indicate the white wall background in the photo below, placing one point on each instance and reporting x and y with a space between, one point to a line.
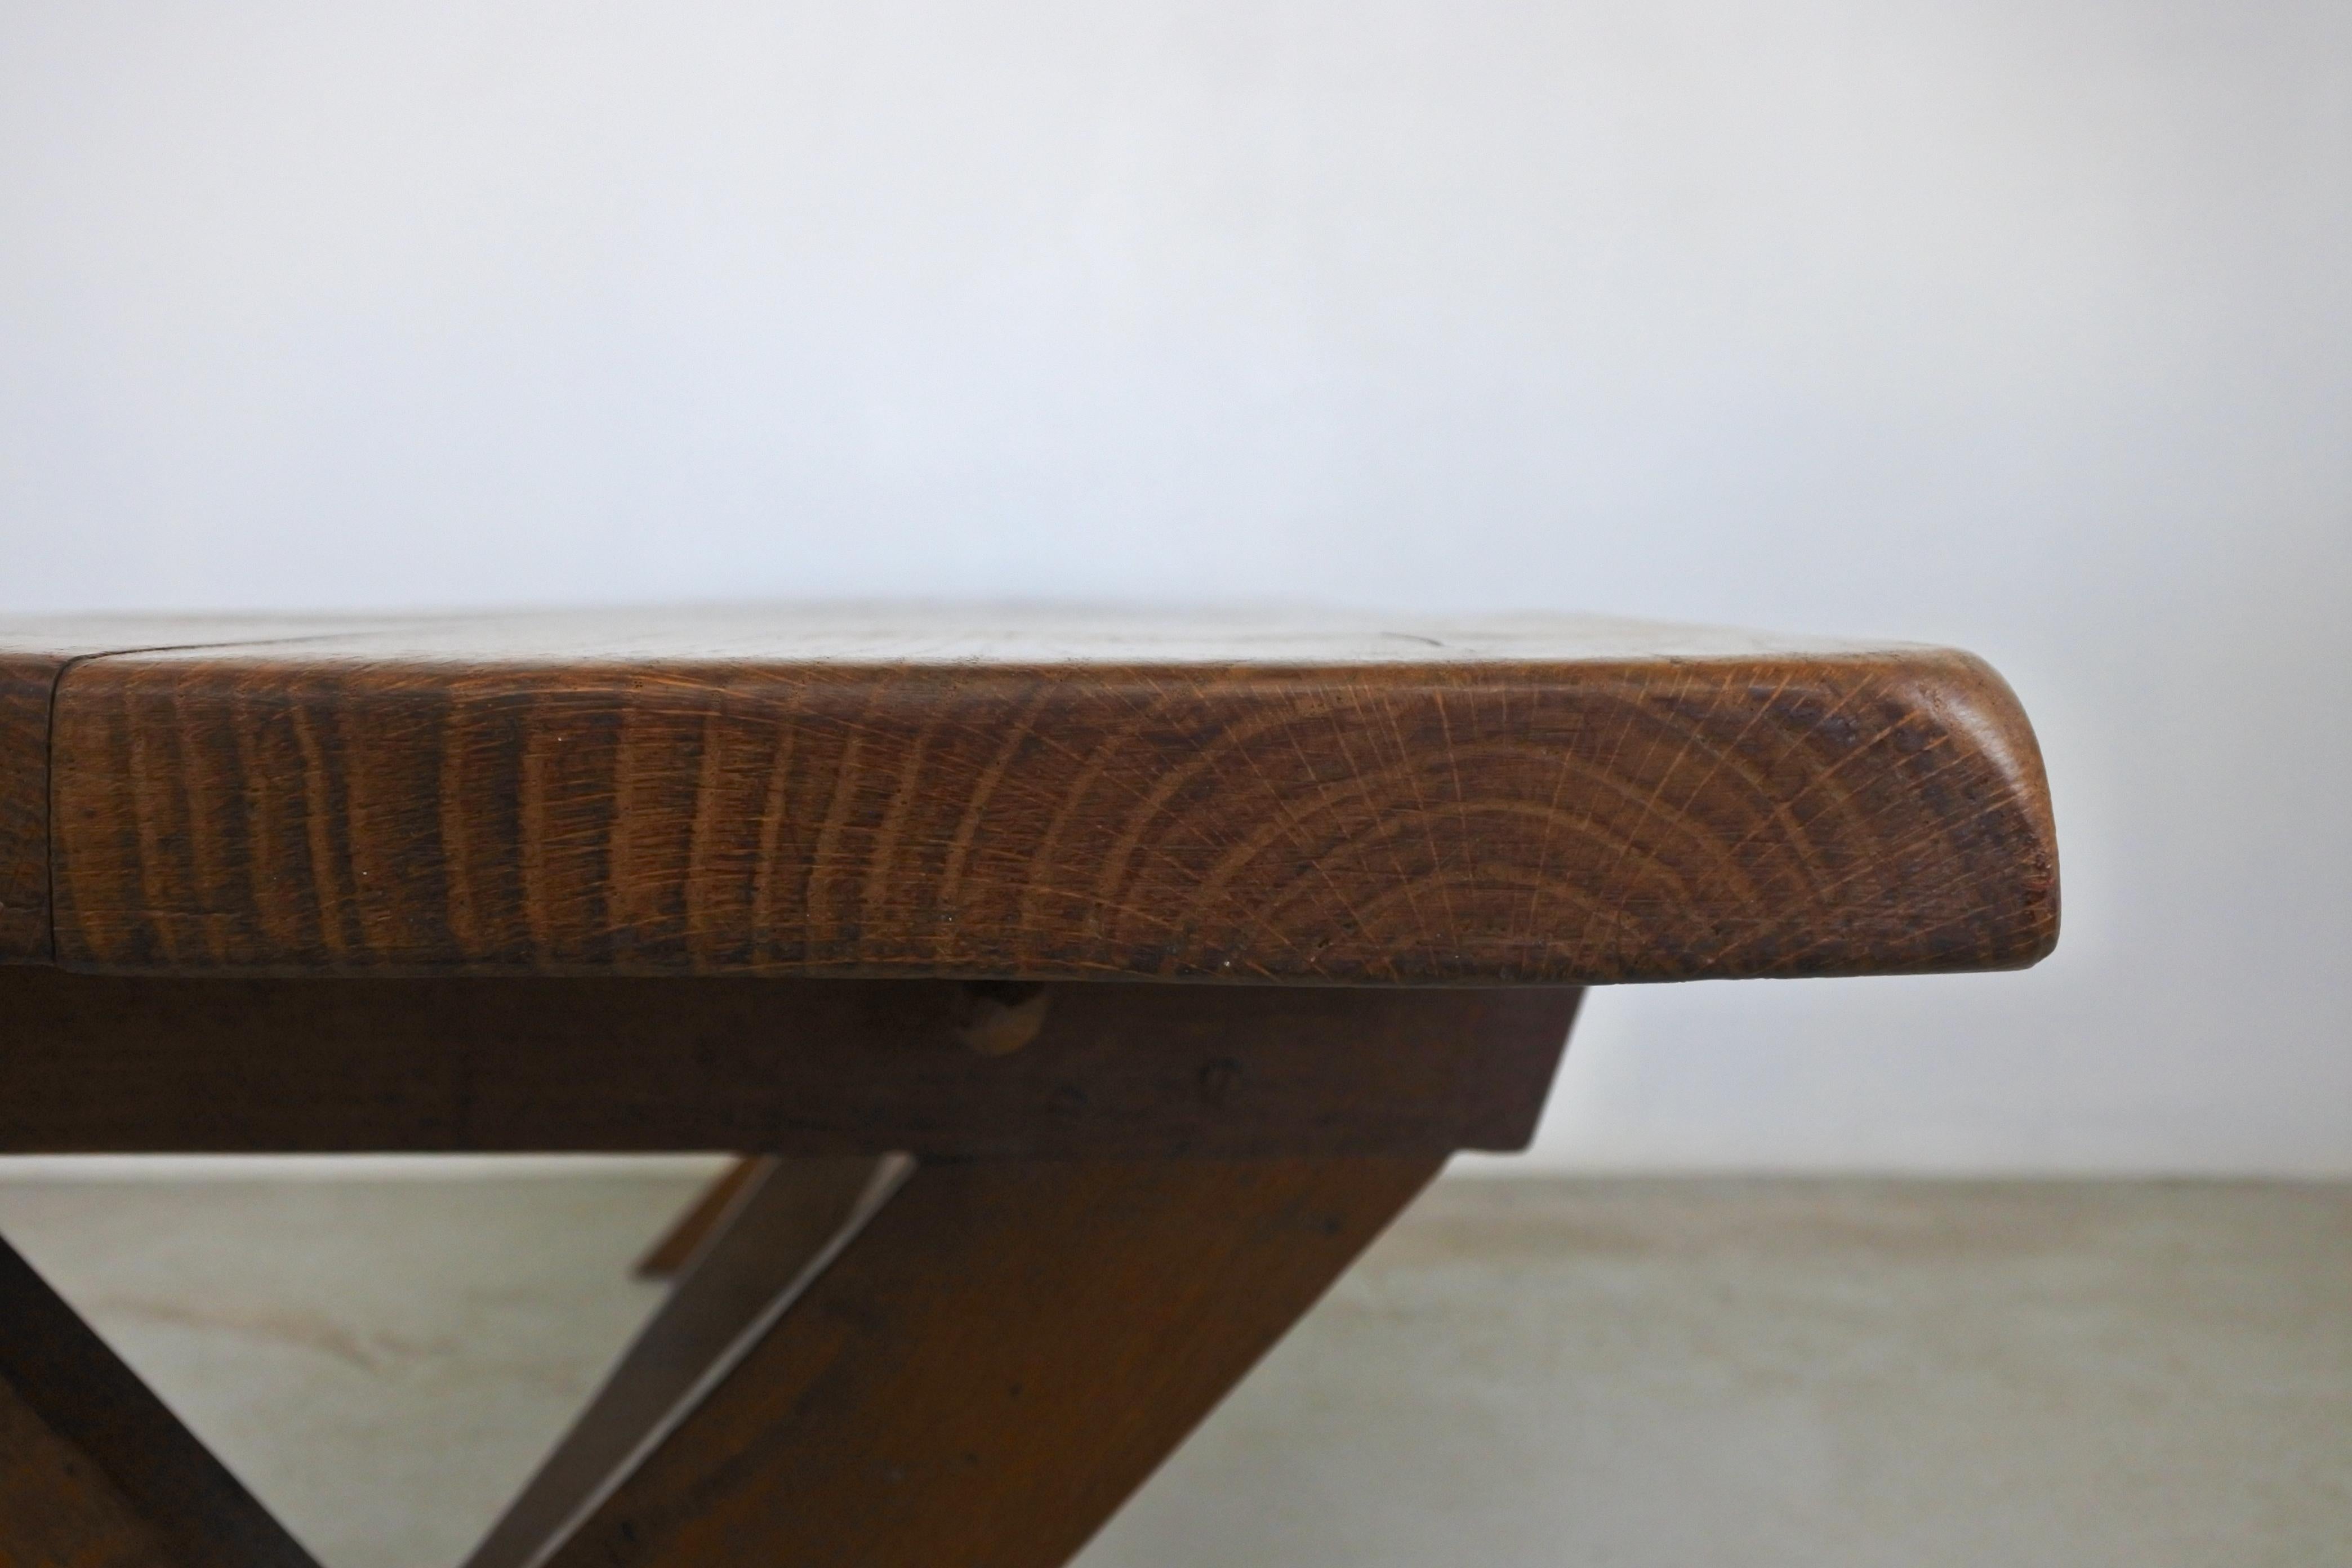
2023 324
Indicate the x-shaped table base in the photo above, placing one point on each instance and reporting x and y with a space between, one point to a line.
1017 1242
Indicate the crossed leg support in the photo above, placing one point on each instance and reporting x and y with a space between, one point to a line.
94 1471
877 1360
998 1355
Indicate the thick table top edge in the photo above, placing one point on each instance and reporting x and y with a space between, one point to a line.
1551 803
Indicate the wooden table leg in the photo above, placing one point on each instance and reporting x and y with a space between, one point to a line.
992 1362
94 1471
972 1359
781 1218
668 1257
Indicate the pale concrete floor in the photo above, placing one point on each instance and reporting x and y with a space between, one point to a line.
1557 1372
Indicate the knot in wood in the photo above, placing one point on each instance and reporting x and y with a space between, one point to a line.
998 1017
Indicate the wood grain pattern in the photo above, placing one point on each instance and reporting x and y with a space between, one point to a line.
94 1471
34 653
992 1365
25 682
103 1063
789 794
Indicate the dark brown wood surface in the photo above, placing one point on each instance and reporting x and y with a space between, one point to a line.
800 792
34 653
94 1471
58 1509
25 681
96 1064
788 1214
993 1362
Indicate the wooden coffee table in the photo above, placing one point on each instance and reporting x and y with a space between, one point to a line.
1093 990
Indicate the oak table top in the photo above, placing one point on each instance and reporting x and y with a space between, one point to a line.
1019 793
922 912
